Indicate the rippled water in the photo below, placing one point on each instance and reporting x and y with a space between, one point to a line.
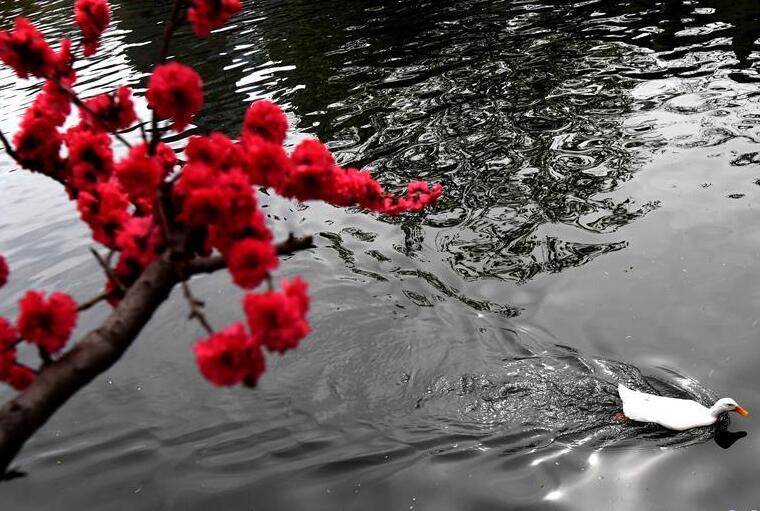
601 168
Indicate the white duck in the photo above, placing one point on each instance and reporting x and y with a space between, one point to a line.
672 413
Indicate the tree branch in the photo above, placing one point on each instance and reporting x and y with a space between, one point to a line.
93 354
215 263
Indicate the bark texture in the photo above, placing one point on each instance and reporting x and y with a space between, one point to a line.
22 416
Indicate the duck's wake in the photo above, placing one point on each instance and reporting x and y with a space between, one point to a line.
564 398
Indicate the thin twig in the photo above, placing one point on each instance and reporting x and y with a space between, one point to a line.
84 106
12 345
8 147
44 356
216 262
143 133
109 271
174 21
92 302
196 308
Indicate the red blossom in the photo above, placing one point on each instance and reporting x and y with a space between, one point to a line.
419 196
175 91
278 319
266 120
38 145
230 357
311 171
92 17
314 175
48 323
216 151
21 377
208 15
112 112
3 271
250 261
26 51
104 209
140 174
90 158
52 104
17 376
222 237
267 163
8 337
140 240
213 188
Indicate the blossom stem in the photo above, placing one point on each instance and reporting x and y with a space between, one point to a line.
174 21
196 308
44 356
8 147
12 345
84 106
107 269
215 263
95 300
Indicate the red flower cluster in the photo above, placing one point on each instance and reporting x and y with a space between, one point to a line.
250 261
208 15
266 120
278 320
175 91
3 271
19 377
109 112
90 158
314 175
211 203
92 17
104 209
230 357
47 323
26 51
140 173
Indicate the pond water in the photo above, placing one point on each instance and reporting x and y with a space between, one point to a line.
601 166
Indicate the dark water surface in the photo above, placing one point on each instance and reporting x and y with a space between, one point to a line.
601 165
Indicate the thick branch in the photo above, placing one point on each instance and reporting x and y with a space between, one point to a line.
215 263
96 352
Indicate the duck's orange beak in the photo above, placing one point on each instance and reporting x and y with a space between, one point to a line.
741 411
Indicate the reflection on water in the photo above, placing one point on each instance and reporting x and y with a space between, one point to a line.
600 162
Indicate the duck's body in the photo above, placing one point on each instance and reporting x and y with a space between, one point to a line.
672 413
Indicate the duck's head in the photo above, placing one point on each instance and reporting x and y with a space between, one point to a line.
727 405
